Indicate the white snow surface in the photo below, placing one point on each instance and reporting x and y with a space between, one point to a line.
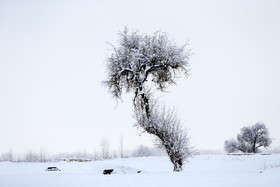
201 170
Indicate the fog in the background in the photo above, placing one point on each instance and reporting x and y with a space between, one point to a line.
52 63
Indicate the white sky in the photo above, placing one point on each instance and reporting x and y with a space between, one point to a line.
52 56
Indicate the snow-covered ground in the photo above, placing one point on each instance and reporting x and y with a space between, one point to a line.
201 170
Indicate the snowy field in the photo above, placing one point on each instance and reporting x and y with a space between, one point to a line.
202 170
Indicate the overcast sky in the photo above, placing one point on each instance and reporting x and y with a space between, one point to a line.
52 62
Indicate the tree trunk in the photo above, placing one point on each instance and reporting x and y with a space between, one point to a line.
177 168
145 104
254 145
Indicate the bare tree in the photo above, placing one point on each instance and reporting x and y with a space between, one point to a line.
95 155
138 59
250 139
42 155
121 146
8 156
105 148
11 155
18 158
30 156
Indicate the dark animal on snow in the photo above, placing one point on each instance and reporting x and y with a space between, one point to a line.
107 171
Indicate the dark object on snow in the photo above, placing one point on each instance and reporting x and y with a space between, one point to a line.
139 171
107 171
52 169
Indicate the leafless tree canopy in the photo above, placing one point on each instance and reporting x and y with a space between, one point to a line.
250 139
139 56
137 59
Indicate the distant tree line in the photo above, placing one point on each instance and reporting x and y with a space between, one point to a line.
249 140
29 156
105 153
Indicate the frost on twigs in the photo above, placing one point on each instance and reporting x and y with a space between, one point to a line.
140 58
